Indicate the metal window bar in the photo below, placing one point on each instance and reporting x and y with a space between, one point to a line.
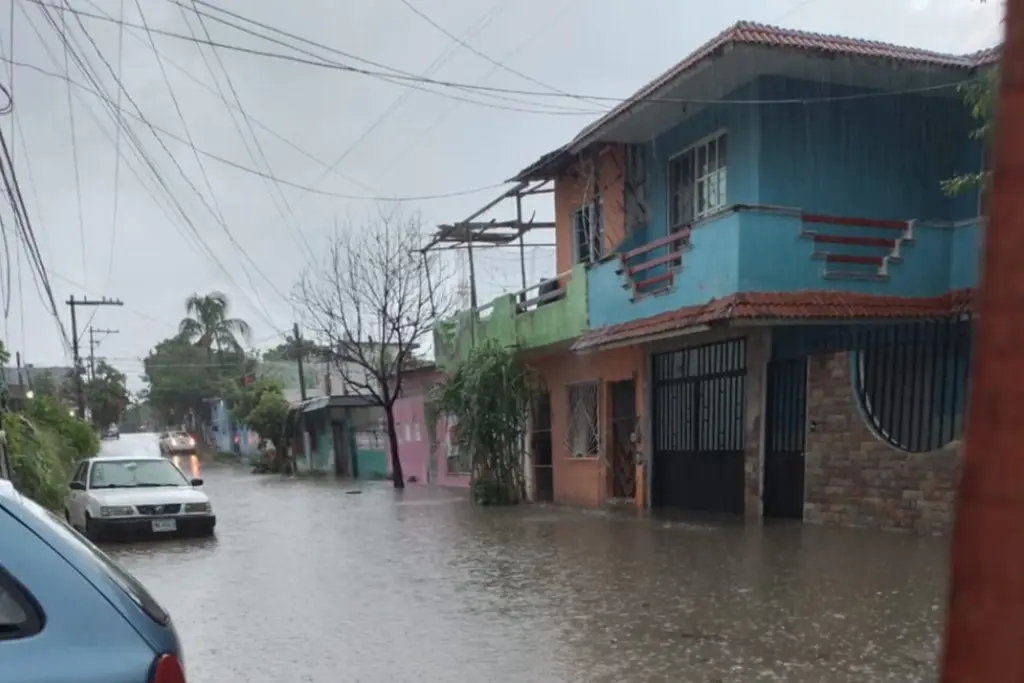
911 383
583 437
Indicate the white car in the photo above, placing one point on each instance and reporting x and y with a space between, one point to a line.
117 496
177 443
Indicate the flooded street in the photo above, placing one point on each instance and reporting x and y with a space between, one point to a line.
308 581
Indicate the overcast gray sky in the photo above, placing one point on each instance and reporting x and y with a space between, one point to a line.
306 117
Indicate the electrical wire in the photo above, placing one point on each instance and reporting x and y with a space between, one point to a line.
280 201
409 80
398 101
494 62
390 72
252 171
74 156
87 72
219 214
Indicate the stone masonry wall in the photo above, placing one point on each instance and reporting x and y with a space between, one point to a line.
854 478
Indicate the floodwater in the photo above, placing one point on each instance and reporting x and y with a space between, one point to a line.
312 581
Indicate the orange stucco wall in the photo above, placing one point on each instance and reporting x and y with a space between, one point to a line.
606 172
585 481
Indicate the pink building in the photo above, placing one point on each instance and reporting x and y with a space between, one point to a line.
427 455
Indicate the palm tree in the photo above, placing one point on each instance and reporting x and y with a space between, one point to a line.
208 325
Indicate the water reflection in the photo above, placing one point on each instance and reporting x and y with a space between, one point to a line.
306 583
192 462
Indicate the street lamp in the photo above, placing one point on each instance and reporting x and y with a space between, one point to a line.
71 413
30 394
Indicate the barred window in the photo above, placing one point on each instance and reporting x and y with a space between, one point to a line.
583 433
911 384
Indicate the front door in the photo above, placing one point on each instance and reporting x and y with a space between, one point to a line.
698 458
784 437
624 427
540 449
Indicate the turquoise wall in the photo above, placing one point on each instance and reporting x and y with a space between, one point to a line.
877 157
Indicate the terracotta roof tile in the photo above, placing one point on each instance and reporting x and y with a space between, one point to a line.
807 305
753 33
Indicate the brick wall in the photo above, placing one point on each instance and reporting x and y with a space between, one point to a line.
854 478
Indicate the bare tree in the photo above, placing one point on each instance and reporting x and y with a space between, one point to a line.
373 302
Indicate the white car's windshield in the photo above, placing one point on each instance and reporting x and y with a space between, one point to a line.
124 474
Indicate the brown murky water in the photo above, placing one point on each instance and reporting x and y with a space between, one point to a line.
306 582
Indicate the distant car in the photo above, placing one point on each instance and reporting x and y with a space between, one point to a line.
177 443
112 432
128 497
69 614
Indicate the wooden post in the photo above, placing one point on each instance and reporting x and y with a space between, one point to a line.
985 624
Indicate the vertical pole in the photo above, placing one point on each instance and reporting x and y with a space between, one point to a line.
986 595
21 380
472 286
92 352
298 359
522 244
79 388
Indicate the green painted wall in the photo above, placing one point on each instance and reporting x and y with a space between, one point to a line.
373 464
556 322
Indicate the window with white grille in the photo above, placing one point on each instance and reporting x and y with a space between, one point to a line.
588 232
583 437
697 181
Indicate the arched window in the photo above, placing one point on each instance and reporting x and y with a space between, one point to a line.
911 383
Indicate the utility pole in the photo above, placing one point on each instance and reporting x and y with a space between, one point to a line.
73 304
93 343
298 358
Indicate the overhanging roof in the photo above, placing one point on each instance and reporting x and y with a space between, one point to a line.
747 41
780 307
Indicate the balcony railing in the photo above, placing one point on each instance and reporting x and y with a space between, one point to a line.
548 312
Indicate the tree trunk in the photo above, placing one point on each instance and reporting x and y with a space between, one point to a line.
397 477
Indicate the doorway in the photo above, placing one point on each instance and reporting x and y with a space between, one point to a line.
624 426
540 448
341 449
784 438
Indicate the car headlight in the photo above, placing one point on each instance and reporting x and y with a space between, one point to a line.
197 507
117 511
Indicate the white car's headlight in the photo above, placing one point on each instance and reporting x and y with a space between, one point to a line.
117 511
198 507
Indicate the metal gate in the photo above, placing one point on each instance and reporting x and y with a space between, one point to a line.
697 430
624 426
784 437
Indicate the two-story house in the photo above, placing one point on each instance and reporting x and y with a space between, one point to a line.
777 288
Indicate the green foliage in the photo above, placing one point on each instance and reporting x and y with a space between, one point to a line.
268 416
262 407
107 395
181 375
980 95
289 350
208 325
489 395
5 355
46 443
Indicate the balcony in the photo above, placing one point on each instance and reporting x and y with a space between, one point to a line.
748 248
544 315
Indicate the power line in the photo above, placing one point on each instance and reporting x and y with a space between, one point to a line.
83 65
409 80
294 226
74 156
488 58
252 171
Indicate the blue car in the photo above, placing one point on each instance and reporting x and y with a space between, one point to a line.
68 613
